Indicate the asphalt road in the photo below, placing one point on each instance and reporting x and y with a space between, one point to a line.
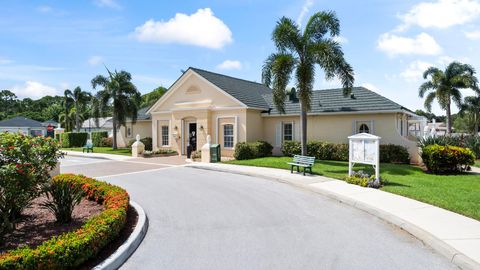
210 220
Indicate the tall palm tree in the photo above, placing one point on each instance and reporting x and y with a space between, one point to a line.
67 106
298 53
471 107
119 93
80 99
445 87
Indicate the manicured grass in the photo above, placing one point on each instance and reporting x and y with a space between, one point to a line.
477 163
458 193
104 150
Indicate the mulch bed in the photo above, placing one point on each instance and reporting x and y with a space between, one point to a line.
38 224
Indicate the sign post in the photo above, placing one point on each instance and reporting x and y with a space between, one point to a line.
364 148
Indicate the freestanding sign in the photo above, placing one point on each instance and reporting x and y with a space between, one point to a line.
364 148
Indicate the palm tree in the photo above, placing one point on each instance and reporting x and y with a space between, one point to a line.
67 106
445 86
471 107
80 99
298 52
120 93
67 118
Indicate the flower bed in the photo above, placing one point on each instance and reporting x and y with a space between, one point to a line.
70 250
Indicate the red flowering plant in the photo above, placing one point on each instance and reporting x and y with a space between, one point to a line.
25 165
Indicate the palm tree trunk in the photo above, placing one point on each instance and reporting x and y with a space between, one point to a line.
475 123
114 141
449 119
303 128
77 118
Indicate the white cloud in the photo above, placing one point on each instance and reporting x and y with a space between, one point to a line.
414 71
5 61
95 60
201 28
422 44
305 8
371 87
473 35
34 90
441 14
230 64
108 3
44 9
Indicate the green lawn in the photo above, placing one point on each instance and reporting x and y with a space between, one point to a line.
104 150
477 163
458 193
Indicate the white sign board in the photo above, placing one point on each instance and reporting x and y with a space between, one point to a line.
364 148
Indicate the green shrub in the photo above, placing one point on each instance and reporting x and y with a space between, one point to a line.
291 148
467 141
106 142
147 141
62 197
97 137
25 163
74 139
243 151
258 149
391 153
329 151
447 159
70 250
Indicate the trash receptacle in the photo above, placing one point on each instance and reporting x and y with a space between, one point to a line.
215 154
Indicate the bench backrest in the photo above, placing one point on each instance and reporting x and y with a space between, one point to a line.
89 145
304 159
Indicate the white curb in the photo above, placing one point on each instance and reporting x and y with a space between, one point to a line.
122 254
443 248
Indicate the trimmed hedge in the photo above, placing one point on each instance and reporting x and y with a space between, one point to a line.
258 149
74 139
389 153
97 137
467 141
447 159
70 250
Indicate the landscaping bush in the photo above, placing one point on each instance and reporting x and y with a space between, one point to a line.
106 142
70 250
328 151
468 141
391 153
147 141
25 165
291 148
447 159
97 137
243 151
62 199
363 179
258 149
74 139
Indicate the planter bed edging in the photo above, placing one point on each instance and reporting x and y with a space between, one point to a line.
121 255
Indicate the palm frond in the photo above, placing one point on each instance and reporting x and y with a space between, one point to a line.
429 100
287 36
322 23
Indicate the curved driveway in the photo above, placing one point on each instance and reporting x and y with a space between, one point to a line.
210 220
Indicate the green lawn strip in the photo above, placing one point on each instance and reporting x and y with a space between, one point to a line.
458 193
104 150
477 163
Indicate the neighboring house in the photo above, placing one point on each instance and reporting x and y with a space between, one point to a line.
104 124
232 110
142 127
27 126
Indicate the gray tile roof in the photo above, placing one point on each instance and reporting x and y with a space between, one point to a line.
248 92
20 121
142 114
332 100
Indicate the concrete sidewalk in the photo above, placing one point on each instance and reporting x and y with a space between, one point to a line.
455 236
96 155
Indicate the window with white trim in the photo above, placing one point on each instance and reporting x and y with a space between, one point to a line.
165 141
287 132
228 136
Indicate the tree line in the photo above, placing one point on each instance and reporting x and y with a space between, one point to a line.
116 96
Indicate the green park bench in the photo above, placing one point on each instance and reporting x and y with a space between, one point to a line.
88 147
305 162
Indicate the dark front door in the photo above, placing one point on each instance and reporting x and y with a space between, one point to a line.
192 135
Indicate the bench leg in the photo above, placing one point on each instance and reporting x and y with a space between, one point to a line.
291 168
298 168
304 169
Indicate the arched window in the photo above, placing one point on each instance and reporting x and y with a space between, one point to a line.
364 129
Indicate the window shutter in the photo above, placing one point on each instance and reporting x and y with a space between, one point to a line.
278 134
296 130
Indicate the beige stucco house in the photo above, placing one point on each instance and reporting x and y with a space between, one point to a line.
232 110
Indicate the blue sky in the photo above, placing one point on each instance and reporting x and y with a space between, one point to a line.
48 46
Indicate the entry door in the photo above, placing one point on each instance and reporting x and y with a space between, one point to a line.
192 135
